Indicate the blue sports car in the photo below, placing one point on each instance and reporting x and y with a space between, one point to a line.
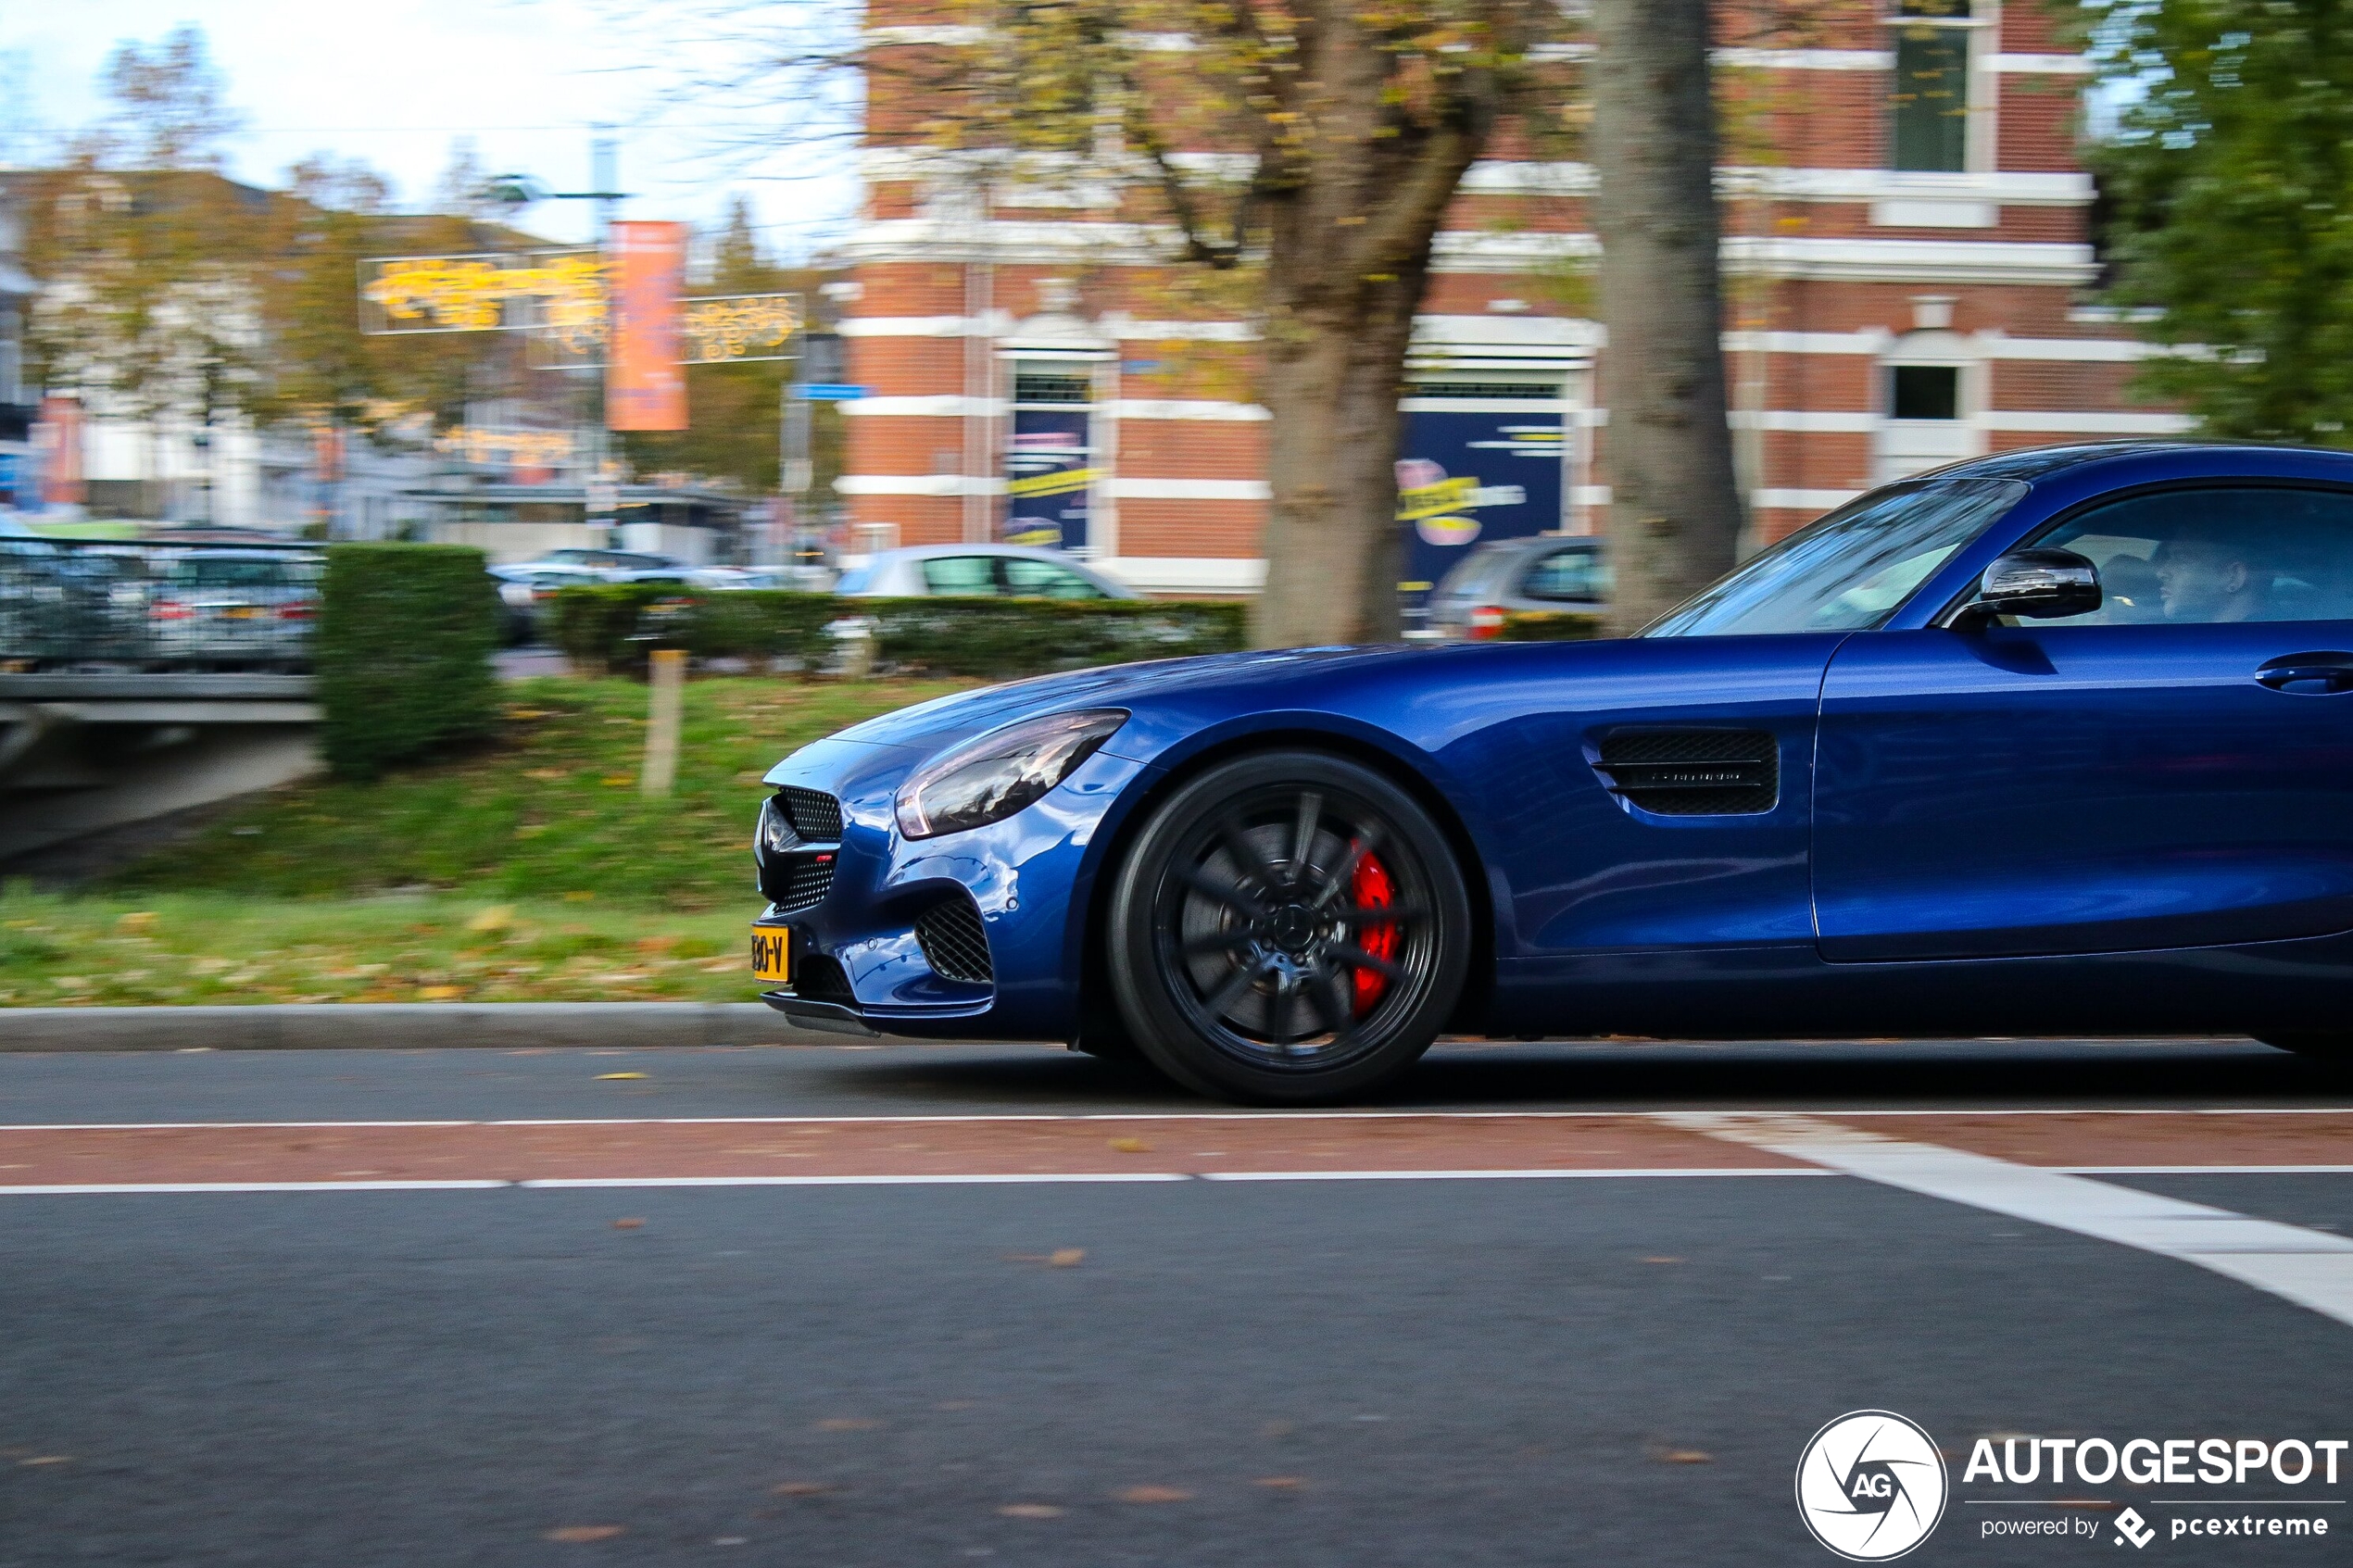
2058 741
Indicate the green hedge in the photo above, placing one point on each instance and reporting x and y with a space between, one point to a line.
612 628
1550 626
406 635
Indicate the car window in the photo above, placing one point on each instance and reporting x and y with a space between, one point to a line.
1043 579
855 580
1850 571
2205 555
1483 566
959 574
203 573
1577 574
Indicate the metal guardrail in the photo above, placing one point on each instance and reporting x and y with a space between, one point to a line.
114 606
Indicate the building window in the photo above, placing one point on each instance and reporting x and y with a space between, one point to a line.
1928 101
1924 392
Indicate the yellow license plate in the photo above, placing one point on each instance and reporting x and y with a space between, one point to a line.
241 612
772 954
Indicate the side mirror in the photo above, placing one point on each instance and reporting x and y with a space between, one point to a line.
2036 584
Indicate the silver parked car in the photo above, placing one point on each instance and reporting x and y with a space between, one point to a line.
240 608
1008 571
1512 576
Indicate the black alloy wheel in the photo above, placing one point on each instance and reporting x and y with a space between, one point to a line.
1288 928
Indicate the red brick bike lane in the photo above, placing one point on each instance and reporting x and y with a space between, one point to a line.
1239 1145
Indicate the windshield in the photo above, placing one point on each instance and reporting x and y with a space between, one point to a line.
1848 571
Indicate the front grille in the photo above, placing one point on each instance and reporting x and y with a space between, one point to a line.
954 943
1694 773
818 978
801 883
815 815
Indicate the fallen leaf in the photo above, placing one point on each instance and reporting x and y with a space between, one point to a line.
605 1077
438 993
498 917
614 781
800 1488
627 1225
1031 1511
1685 1456
137 919
1065 1257
1152 1493
587 1532
1662 1260
1131 1146
848 1423
1281 1482
48 1459
580 898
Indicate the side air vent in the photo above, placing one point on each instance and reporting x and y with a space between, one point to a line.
1693 773
954 943
819 978
815 815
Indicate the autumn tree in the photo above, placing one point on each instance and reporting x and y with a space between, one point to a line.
2228 185
1319 143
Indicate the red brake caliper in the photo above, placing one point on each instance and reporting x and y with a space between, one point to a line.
1372 887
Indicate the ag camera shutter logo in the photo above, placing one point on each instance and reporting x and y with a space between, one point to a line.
1871 1486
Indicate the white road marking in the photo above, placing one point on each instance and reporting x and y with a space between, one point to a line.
115 1188
1625 1172
885 1118
2310 1268
1543 1173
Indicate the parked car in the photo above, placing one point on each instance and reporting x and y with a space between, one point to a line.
604 566
524 587
1913 771
1546 572
988 570
227 607
31 600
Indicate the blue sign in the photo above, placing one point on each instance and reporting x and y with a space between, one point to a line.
1470 476
830 391
1047 479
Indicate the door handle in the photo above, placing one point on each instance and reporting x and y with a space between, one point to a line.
2309 674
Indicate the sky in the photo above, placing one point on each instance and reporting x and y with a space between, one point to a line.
393 81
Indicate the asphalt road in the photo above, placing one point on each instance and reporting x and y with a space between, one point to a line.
1107 1325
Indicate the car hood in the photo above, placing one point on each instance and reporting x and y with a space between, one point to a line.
932 726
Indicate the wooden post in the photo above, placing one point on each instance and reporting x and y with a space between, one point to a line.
669 683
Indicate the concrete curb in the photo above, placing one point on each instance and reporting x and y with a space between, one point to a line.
400 1026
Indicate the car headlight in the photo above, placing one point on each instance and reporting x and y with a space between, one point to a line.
776 834
991 778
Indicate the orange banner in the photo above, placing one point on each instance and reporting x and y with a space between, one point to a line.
644 388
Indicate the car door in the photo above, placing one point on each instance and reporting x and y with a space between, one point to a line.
2174 769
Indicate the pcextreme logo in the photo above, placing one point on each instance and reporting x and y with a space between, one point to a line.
1871 1486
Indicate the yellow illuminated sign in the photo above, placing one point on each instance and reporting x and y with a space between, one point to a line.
735 327
524 448
562 293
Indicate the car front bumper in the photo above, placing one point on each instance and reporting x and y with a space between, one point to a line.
861 961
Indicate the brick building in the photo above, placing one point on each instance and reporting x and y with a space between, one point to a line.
1907 267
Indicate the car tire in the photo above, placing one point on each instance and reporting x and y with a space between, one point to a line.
1252 956
2324 1047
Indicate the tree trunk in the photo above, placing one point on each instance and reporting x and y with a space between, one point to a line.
1333 378
1352 212
1675 508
